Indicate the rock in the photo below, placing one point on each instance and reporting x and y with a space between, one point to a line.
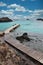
14 57
2 34
40 19
3 49
23 37
27 19
5 19
8 56
9 62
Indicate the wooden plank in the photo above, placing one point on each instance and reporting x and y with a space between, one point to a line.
11 28
41 59
27 50
1 33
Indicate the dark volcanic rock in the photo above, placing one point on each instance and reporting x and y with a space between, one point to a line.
40 19
27 19
23 37
5 19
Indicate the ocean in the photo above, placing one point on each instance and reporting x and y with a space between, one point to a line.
30 27
25 26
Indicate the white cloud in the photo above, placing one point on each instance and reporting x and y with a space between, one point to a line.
32 14
17 7
14 6
7 13
23 0
27 17
2 4
18 17
20 9
30 11
38 11
36 14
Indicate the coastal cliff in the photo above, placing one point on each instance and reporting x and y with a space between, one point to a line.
5 19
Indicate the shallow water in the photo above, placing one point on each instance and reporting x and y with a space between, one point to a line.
31 27
36 40
25 26
5 25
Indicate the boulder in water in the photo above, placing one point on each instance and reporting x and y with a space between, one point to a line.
23 37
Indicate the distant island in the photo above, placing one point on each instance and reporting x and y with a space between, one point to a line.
40 19
27 19
5 19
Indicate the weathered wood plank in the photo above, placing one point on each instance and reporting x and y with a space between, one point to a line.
27 50
11 28
1 33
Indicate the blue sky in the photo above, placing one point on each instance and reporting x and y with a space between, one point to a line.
21 8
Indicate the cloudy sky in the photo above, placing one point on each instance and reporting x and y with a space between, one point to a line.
21 9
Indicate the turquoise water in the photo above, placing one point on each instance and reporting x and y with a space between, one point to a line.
25 26
6 25
30 26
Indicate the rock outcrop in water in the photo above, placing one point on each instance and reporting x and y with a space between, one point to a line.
5 19
40 19
27 19
23 37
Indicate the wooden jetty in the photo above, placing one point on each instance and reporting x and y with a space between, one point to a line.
38 56
1 33
11 28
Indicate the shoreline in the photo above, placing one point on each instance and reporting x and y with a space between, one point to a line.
24 49
15 56
23 44
36 40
